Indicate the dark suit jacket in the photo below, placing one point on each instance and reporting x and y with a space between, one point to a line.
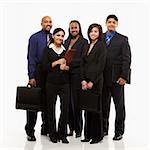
92 65
118 59
79 45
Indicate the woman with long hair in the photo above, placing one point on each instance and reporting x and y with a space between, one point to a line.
92 66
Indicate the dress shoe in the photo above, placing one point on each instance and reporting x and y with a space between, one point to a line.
117 137
85 140
105 133
64 140
53 139
96 140
31 138
78 135
70 133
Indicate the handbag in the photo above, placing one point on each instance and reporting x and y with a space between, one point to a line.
88 100
28 98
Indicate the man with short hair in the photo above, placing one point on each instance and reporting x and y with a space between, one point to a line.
116 75
37 42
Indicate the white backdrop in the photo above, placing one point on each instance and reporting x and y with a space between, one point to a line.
18 20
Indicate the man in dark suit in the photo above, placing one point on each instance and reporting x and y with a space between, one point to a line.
37 42
116 75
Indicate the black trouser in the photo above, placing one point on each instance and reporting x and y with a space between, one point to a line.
32 115
93 128
52 90
117 93
75 115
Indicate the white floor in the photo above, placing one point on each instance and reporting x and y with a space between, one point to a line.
13 137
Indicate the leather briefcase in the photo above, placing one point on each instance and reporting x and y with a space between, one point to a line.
29 98
88 100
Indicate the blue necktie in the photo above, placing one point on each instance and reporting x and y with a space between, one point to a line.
108 38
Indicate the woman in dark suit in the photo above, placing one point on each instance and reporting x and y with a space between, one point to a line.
75 41
57 83
92 67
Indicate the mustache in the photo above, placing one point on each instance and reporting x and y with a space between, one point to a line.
48 26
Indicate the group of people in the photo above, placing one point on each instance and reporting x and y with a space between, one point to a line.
101 66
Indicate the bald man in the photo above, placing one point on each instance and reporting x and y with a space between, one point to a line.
37 42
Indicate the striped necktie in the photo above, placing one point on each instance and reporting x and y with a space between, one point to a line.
108 38
48 39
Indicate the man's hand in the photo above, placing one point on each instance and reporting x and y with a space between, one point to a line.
32 82
121 81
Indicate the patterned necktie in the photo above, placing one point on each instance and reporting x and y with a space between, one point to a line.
48 39
108 38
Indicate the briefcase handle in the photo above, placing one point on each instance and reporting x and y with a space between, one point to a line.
28 85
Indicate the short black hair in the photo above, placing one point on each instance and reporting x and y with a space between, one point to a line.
99 27
112 16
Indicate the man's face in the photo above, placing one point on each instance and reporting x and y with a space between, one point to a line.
111 24
46 23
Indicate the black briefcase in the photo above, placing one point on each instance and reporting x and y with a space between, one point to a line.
89 101
29 98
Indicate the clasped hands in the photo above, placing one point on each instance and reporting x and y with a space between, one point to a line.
86 85
62 63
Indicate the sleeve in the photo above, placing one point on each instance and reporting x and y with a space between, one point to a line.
100 64
46 62
77 60
82 63
31 57
82 68
126 58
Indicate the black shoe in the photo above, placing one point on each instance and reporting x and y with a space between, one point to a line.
78 135
70 133
85 140
105 133
64 140
31 138
96 140
117 137
53 139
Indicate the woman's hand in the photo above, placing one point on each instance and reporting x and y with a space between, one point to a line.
61 61
84 85
90 85
64 67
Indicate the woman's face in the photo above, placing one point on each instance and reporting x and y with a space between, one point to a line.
58 37
74 29
94 34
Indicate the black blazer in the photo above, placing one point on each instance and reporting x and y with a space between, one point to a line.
118 59
54 75
79 45
92 65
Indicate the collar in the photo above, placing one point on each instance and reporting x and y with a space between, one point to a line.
62 48
46 32
110 34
